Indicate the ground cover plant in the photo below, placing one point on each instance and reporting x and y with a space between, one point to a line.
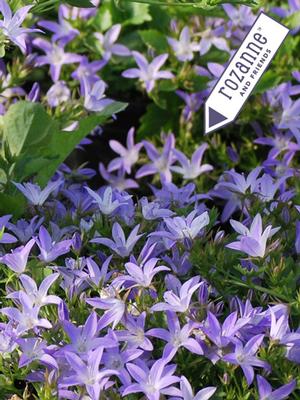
139 258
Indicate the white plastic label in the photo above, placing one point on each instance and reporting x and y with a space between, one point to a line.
244 71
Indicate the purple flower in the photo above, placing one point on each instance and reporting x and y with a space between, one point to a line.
55 56
183 48
265 187
85 338
74 279
35 349
76 194
38 296
241 16
34 94
161 162
179 302
297 240
87 373
120 245
232 187
213 71
152 382
184 228
49 249
147 72
177 336
141 276
245 357
186 391
211 37
58 93
58 233
180 197
118 181
135 335
265 390
108 45
115 310
117 359
27 318
62 29
86 73
17 259
154 210
279 327
277 95
127 209
75 13
11 25
5 237
94 97
294 8
128 156
221 336
293 352
191 169
289 118
279 143
239 183
98 275
281 171
105 203
179 263
193 103
7 338
252 241
33 192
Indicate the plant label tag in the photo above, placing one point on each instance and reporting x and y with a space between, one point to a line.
243 72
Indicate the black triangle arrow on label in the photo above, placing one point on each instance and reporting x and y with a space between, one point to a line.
214 117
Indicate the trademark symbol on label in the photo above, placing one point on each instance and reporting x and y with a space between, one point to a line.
243 72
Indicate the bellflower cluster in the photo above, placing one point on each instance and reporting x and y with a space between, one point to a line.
151 263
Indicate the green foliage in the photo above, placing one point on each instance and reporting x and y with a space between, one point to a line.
35 146
25 125
293 21
155 40
80 3
127 13
203 4
269 80
156 119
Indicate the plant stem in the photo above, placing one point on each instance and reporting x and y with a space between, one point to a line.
259 288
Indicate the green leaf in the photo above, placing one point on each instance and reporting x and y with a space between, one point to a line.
104 18
12 204
199 83
267 81
27 166
37 144
155 40
167 85
62 143
25 125
80 3
2 50
161 19
157 119
125 12
293 21
137 14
